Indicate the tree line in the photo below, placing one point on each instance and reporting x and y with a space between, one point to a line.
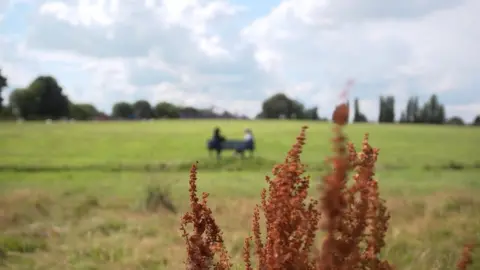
44 98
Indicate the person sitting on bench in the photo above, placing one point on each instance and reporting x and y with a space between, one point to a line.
248 137
216 141
248 141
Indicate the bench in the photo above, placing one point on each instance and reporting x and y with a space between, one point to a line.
239 146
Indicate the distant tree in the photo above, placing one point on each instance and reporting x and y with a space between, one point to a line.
209 113
276 106
7 113
390 102
358 117
227 115
311 114
166 110
279 105
142 109
299 110
3 84
476 121
455 120
122 110
433 112
441 117
52 103
189 112
381 110
412 113
83 111
260 115
24 103
387 110
42 99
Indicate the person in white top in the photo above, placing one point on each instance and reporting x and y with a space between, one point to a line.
248 137
248 143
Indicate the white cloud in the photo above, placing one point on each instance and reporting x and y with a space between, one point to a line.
212 52
13 65
412 47
86 13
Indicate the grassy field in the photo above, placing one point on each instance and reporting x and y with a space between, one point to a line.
78 196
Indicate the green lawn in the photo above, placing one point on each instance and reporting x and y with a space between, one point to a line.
173 142
75 212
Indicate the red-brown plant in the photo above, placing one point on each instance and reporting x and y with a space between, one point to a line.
352 216
466 257
206 240
290 224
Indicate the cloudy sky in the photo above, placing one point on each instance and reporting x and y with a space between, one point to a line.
233 54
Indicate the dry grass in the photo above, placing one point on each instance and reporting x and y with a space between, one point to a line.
353 217
115 234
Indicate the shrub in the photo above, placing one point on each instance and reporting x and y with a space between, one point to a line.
158 197
353 216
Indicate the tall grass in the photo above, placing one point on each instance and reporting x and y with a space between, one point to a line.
352 216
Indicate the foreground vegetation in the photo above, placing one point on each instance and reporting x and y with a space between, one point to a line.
67 215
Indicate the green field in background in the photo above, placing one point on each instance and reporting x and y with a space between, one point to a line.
183 142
